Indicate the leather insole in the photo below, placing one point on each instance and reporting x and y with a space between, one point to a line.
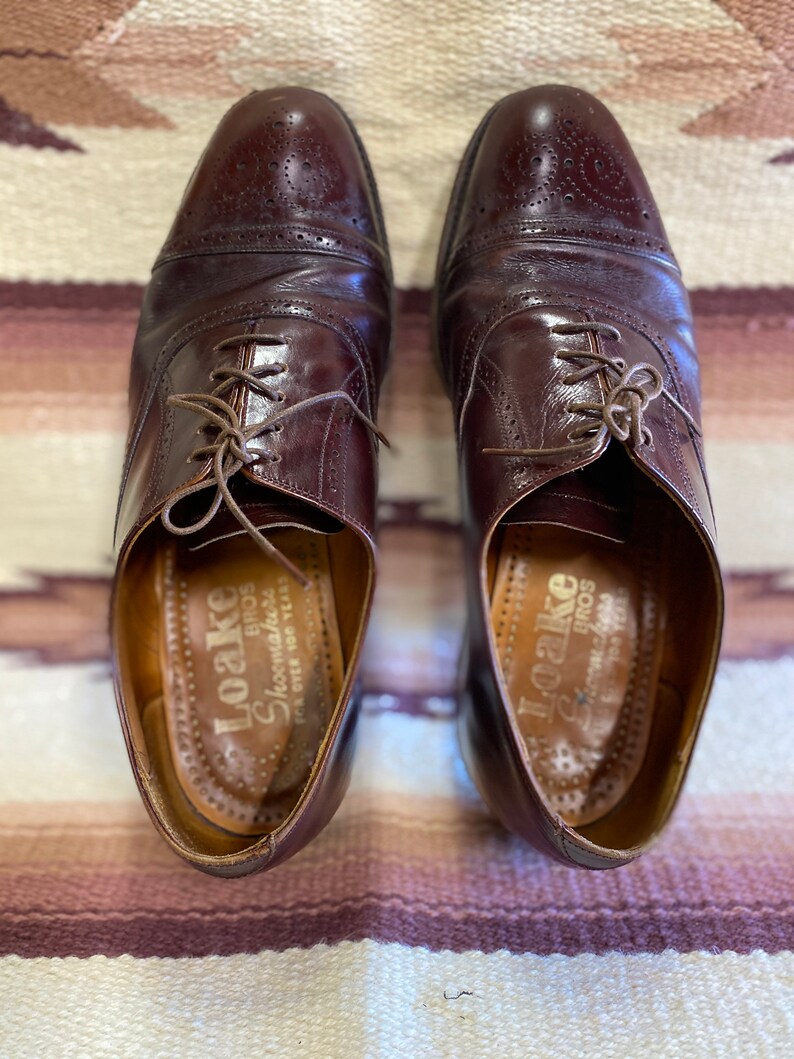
252 669
576 621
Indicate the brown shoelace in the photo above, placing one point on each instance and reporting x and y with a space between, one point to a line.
630 389
232 448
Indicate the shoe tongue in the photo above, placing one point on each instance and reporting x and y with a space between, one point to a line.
267 510
591 500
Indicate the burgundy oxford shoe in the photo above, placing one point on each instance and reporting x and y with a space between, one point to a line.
245 525
595 598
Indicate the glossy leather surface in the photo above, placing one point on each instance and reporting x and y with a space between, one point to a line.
279 234
552 224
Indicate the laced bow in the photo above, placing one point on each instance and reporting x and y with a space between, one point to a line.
630 389
235 446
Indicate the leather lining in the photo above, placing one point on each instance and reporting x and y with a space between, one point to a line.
252 666
235 673
575 624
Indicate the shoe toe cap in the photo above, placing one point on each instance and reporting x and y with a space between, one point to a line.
556 153
281 157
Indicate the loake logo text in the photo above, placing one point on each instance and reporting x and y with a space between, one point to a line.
567 607
232 615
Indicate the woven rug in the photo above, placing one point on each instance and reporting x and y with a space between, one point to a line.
414 925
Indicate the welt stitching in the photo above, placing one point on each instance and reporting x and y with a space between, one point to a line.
326 434
698 520
343 478
500 412
165 435
698 446
566 847
669 422
323 446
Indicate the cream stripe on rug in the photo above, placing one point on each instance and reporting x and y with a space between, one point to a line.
393 1002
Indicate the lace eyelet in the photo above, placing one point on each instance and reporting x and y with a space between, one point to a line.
275 459
278 428
280 396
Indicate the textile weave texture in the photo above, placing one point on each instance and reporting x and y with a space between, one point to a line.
414 925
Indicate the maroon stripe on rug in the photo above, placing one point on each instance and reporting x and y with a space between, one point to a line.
436 872
630 931
743 301
24 294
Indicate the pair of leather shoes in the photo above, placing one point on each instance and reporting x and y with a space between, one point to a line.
246 517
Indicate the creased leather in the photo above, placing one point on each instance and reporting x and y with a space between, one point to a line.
279 232
552 222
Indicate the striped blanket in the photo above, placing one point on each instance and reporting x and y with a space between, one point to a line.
414 925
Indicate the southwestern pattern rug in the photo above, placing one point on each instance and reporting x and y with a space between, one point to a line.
414 926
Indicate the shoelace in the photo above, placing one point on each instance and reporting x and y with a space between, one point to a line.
232 448
621 414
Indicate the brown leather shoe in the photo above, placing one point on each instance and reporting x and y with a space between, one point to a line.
245 524
595 599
